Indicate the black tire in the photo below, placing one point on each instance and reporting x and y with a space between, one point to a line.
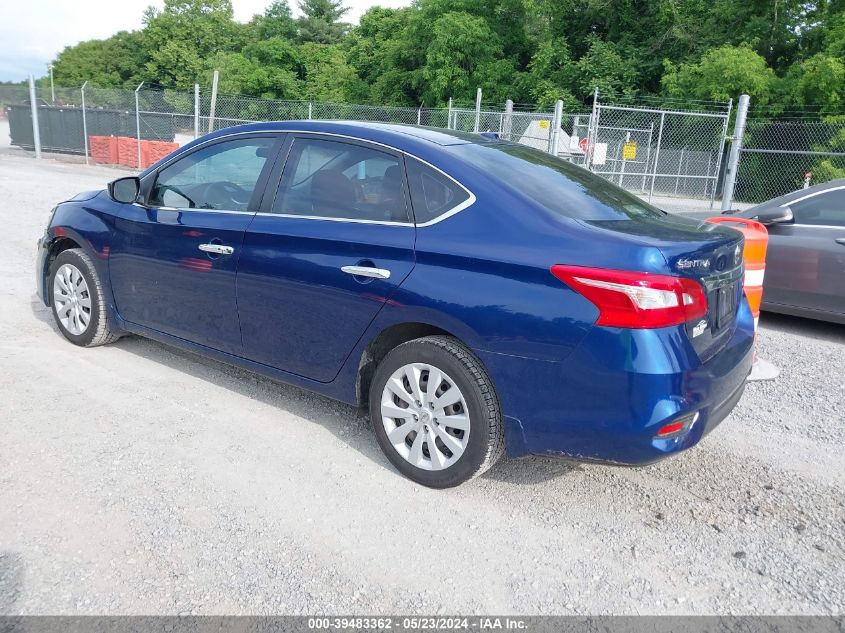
486 441
97 331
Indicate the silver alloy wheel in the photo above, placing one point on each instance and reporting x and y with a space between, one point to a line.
72 299
425 416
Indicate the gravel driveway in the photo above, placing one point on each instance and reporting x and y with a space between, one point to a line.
135 478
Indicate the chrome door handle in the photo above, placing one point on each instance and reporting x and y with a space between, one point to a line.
219 249
841 240
366 271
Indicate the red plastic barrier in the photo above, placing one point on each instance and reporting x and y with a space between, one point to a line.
127 152
156 150
123 150
103 149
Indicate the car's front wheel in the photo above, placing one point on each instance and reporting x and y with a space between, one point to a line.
435 412
77 300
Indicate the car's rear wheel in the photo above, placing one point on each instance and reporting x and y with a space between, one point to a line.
77 300
435 412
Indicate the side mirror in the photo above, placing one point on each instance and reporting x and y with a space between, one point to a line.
125 190
775 216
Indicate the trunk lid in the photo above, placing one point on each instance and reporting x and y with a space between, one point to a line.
709 253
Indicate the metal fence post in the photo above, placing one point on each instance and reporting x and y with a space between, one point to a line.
592 129
419 114
477 126
449 115
721 153
36 132
736 146
196 111
84 122
647 157
656 155
680 168
138 122
52 85
215 78
507 123
622 168
554 133
309 110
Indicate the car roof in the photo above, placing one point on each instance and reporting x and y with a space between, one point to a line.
398 133
795 195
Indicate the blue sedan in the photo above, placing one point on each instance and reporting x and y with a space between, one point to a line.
476 296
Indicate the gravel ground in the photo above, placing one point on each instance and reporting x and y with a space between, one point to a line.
137 479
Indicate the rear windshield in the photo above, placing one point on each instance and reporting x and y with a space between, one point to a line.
556 184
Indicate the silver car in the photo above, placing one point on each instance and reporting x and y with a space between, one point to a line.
805 262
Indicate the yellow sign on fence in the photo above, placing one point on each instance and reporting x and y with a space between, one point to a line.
629 150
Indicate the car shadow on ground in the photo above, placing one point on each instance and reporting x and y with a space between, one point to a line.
530 471
310 406
812 328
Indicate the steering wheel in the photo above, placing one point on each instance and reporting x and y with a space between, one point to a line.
229 194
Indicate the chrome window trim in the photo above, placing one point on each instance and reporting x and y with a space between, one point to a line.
443 216
812 195
195 210
265 214
841 227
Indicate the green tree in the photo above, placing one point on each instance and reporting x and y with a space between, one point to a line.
183 35
603 66
241 74
326 73
377 50
464 54
116 61
320 21
277 21
785 53
722 74
818 81
551 73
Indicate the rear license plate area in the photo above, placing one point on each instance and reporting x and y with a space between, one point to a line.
725 299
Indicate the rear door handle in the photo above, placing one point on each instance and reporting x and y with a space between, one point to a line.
367 271
840 240
219 249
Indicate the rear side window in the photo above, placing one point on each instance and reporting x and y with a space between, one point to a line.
433 194
334 179
826 209
555 184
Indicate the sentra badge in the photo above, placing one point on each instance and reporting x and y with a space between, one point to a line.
685 263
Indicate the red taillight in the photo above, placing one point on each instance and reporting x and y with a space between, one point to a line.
635 299
681 424
670 428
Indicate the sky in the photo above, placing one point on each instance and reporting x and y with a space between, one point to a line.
34 32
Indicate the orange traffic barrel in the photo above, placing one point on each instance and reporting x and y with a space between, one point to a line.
754 255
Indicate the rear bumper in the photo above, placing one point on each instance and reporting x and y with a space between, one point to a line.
607 401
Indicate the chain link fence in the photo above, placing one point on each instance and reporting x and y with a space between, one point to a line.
663 153
780 156
669 155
